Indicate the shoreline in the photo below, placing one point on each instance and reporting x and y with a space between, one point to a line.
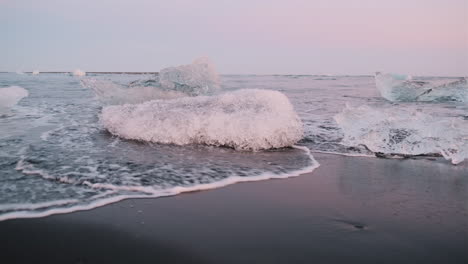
152 194
350 209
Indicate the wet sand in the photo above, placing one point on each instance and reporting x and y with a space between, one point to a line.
349 210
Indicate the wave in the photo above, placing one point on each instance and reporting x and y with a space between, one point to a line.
10 96
404 133
198 78
115 193
243 120
403 88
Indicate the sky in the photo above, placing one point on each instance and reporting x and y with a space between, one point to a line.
417 37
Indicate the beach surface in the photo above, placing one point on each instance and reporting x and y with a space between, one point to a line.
349 210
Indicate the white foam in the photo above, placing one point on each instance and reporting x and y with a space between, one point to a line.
10 96
78 72
6 207
404 88
243 119
361 155
151 192
401 132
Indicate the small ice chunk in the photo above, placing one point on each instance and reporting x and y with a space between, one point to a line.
78 72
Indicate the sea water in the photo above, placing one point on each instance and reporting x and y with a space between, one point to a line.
66 143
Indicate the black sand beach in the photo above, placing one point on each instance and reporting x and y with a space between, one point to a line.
349 210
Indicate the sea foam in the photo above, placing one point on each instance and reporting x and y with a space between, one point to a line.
10 96
243 120
403 88
406 133
198 78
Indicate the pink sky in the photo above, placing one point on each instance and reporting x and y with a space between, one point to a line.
258 36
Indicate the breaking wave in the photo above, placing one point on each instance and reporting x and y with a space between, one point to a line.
10 96
404 133
198 78
243 120
77 165
403 88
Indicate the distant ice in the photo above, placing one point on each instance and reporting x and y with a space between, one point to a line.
35 72
198 78
78 72
243 120
10 96
404 88
403 132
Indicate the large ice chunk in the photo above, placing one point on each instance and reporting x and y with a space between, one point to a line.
243 119
402 132
10 96
403 88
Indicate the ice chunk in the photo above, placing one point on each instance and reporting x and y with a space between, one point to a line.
403 88
198 78
10 96
35 72
78 72
402 132
243 119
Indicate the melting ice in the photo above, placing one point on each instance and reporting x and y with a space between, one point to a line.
392 131
403 88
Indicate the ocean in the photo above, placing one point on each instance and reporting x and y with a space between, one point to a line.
65 142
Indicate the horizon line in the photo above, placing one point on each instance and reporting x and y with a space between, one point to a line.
252 74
